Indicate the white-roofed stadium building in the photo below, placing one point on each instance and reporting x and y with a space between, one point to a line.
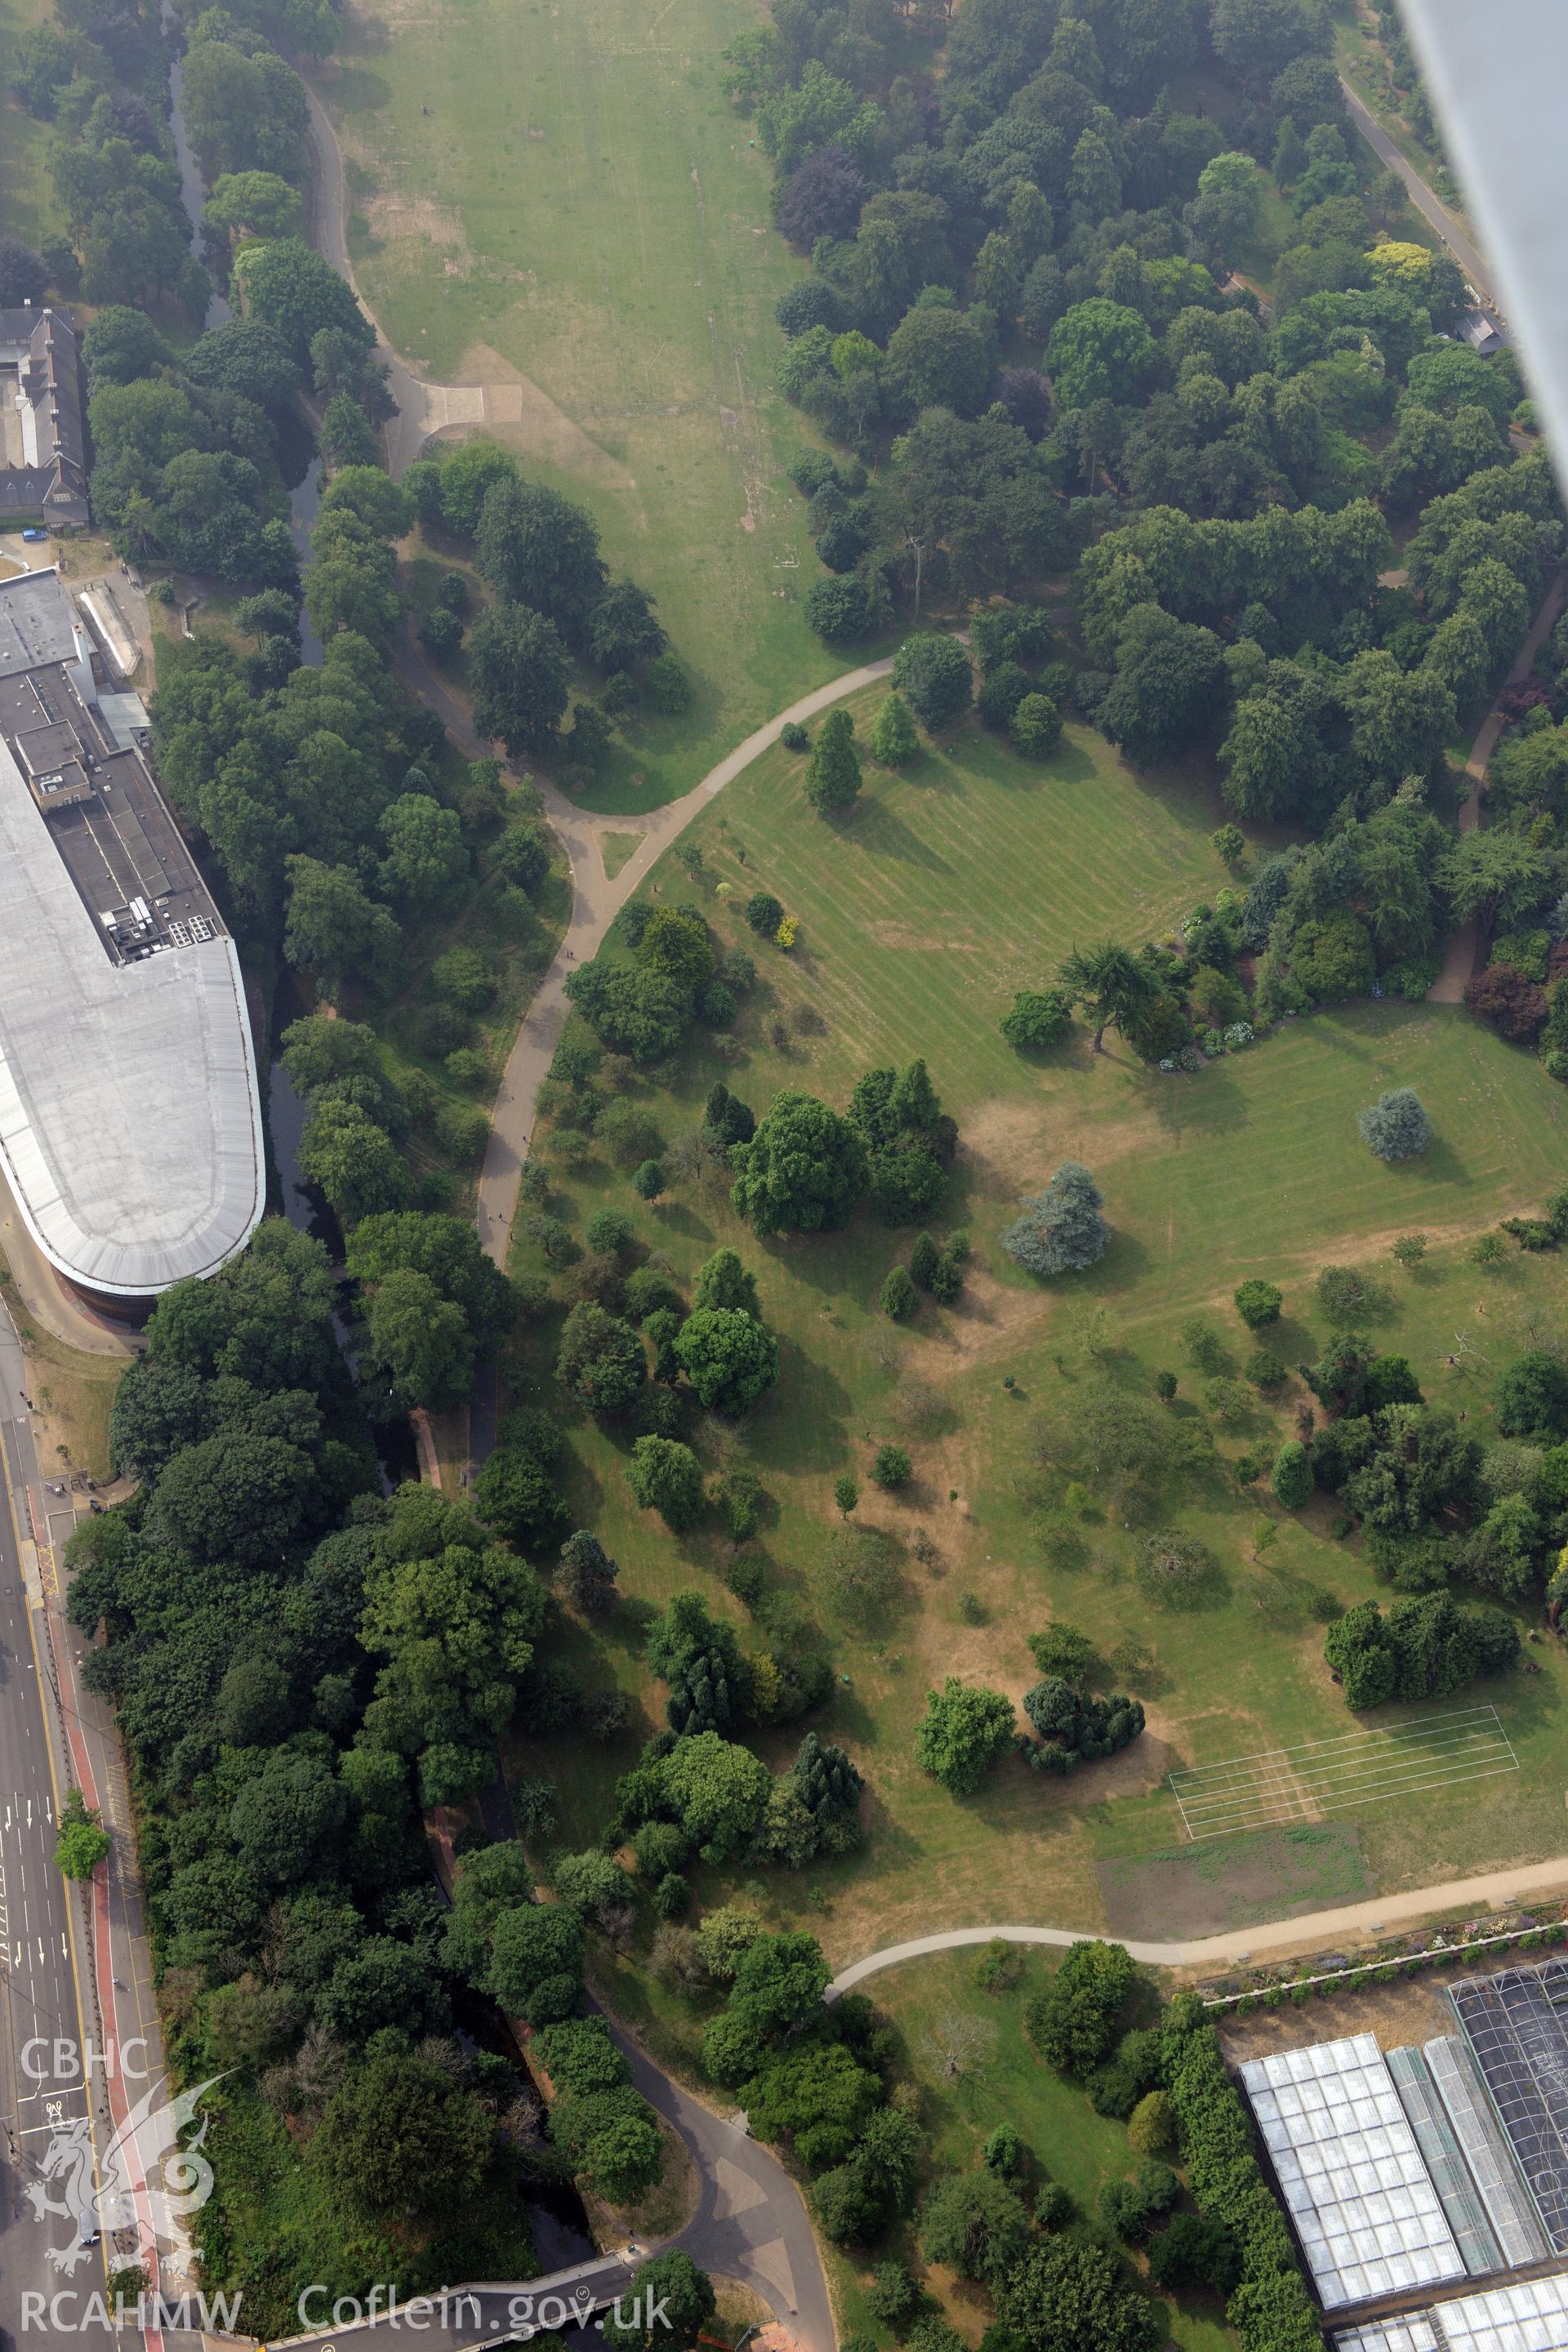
129 1121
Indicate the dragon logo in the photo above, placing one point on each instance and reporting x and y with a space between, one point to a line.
148 2182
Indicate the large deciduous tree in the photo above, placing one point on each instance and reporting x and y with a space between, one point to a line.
399 2139
293 288
965 1727
541 550
600 1359
665 1477
805 1170
1100 351
730 1359
522 677
934 675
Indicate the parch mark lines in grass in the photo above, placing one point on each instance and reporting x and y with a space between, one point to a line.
1359 1768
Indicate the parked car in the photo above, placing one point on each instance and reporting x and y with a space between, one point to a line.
33 534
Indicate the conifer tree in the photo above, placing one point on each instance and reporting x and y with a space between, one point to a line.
894 741
897 1295
833 770
1061 1229
587 1573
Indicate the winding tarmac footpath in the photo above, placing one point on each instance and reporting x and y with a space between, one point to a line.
751 2220
1493 1891
595 902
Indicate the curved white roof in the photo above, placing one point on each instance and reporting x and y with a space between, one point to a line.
130 1123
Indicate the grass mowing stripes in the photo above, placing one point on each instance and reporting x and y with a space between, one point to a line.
943 891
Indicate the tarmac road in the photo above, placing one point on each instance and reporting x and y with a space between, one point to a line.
42 2032
1429 205
76 1968
37 1994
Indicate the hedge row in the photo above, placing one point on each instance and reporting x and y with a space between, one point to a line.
1272 2309
1382 1972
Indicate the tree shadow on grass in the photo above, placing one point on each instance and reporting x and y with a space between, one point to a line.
1126 1263
1009 1798
627 1625
1439 1161
675 1217
882 1828
935 771
356 90
581 1484
882 834
1203 1102
1068 1053
1068 764
1291 1341
813 1442
845 1714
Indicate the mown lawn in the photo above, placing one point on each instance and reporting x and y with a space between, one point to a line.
943 892
561 202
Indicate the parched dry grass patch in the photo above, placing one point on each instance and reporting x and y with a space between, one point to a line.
613 288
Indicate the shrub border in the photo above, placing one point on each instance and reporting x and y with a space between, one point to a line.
1387 1969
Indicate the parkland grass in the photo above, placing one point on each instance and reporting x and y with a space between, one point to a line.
1005 2081
560 202
26 190
943 892
74 1391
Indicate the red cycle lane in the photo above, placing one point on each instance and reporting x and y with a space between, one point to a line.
101 1991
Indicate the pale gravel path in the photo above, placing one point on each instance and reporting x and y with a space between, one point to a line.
422 408
1473 1896
596 899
